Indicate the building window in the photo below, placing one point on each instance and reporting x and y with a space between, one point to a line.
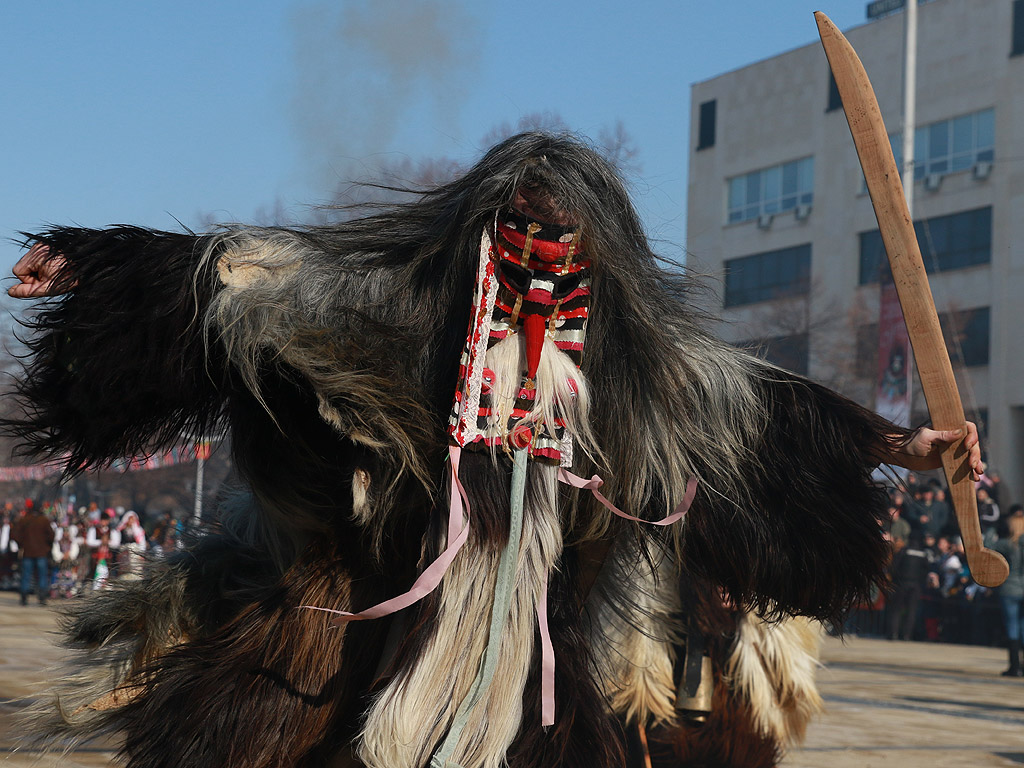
834 101
771 190
951 145
770 275
706 131
1017 44
947 242
789 352
967 335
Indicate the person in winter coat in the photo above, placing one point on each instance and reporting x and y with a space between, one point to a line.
34 536
1011 593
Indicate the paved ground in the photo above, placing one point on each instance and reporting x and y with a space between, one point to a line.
914 705
910 705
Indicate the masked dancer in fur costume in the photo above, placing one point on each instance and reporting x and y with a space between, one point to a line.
422 570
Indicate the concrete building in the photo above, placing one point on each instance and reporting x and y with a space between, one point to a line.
778 214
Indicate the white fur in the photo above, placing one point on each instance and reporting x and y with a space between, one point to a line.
634 667
555 396
411 716
773 666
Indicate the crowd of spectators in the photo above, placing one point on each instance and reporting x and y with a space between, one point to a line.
933 597
55 551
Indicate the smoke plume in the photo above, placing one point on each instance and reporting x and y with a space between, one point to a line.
365 69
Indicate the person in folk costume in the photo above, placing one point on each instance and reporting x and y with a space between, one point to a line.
65 551
133 545
103 540
403 470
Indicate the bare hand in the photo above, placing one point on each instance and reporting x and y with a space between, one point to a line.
924 451
36 270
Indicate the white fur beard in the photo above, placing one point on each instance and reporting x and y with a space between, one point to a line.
554 396
414 712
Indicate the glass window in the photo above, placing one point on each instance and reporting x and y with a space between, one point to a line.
753 187
706 127
772 179
938 143
1017 32
771 190
963 134
789 178
986 133
737 193
947 242
872 257
949 145
789 352
967 334
834 100
769 275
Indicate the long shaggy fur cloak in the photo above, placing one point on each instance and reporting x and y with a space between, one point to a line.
332 354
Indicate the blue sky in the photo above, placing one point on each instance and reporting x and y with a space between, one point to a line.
157 113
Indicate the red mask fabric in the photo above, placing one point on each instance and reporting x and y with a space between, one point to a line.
533 282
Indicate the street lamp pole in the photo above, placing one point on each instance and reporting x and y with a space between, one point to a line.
909 101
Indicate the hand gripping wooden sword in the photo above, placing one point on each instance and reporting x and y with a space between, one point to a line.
988 568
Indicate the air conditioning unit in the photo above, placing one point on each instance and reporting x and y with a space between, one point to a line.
764 221
932 181
982 169
801 212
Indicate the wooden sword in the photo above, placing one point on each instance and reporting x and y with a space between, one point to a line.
988 568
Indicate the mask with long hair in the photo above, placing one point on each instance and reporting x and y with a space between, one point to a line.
519 381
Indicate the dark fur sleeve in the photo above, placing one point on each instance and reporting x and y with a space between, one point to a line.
807 537
118 364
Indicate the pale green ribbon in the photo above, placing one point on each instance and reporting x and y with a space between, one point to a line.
504 586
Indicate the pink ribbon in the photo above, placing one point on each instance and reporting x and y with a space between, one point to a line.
458 532
596 482
547 660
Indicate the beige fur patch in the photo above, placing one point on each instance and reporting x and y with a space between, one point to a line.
773 665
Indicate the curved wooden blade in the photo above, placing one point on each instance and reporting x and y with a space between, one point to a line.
883 178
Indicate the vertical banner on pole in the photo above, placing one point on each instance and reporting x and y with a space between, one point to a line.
893 382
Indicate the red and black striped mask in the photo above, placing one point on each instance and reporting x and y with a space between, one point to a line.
533 279
544 286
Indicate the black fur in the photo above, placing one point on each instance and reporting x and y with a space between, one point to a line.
118 363
806 538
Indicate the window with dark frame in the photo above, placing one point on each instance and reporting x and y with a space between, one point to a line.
1017 41
770 275
957 241
706 130
768 191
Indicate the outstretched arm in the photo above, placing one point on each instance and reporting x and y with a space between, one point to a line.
923 450
119 360
150 336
